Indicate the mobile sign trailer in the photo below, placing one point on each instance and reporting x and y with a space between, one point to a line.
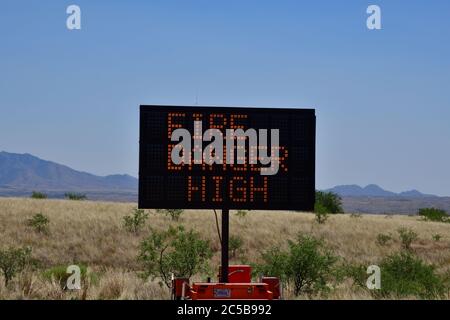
227 158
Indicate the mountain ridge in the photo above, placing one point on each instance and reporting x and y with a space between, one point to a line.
373 190
28 172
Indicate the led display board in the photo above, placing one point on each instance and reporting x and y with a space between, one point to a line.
225 157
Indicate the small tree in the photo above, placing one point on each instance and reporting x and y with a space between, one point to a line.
321 213
14 261
355 271
176 251
75 196
235 245
274 264
407 237
174 214
383 239
308 265
39 223
38 195
433 214
329 202
136 221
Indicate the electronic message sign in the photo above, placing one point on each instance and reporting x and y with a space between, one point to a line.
223 157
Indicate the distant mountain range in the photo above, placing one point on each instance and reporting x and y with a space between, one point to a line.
20 174
375 200
373 190
24 172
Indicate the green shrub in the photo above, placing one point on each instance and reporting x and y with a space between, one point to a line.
235 244
274 264
436 237
176 251
136 221
75 196
329 202
433 214
174 214
307 265
241 213
355 271
403 275
407 237
39 223
383 239
59 274
14 261
38 195
321 213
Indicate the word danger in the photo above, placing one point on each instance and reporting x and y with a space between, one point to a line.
214 152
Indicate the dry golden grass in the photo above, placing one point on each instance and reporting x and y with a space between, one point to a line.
92 233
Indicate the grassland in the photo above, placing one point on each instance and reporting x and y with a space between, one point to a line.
92 233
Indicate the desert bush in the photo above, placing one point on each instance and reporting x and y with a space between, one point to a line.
329 202
174 214
235 244
310 265
436 237
383 239
307 265
13 261
321 213
39 223
274 264
75 196
241 213
176 251
403 275
433 214
38 195
135 221
407 237
355 271
59 274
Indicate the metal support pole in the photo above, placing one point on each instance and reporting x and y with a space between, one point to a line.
225 237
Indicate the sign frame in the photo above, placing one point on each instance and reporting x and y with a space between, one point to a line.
288 113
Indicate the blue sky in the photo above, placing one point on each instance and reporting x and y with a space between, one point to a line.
382 97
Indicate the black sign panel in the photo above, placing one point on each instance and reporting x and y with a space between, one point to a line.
236 182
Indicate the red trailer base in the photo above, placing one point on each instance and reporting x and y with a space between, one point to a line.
239 287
